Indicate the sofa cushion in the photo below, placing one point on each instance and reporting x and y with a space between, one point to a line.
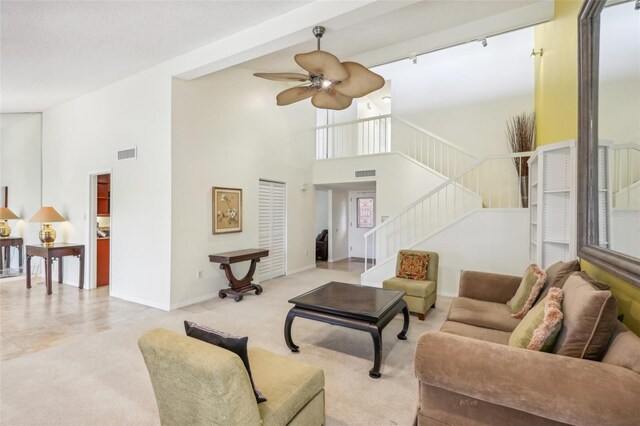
557 275
235 344
492 315
590 315
539 329
480 333
527 293
411 287
290 385
624 349
413 265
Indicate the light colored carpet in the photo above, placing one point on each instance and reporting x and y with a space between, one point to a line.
101 379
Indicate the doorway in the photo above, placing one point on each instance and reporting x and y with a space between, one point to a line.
103 231
99 228
272 229
362 219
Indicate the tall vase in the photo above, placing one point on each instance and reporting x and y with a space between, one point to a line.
524 191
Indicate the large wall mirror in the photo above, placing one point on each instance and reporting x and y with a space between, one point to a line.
609 136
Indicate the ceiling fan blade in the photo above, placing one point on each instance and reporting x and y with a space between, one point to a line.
330 99
282 76
319 62
295 94
361 81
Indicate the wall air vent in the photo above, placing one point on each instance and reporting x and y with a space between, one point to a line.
365 173
126 154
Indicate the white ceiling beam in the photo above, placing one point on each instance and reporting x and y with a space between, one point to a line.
279 33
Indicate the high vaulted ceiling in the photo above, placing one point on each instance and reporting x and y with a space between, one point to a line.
54 51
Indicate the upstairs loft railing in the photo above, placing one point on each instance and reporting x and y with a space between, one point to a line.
491 182
387 133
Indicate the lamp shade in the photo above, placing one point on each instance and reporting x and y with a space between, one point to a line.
6 214
47 214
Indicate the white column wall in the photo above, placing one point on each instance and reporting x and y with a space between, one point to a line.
228 132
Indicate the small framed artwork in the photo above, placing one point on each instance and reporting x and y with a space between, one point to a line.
227 210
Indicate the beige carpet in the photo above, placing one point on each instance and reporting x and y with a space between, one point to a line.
100 379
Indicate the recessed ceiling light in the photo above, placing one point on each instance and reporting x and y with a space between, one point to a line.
386 99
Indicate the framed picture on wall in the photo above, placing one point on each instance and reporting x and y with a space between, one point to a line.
227 210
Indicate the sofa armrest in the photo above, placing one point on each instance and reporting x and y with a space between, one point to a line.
488 286
556 387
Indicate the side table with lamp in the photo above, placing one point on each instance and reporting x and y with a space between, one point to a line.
6 241
50 250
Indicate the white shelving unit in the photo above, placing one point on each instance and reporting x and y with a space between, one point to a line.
552 204
604 195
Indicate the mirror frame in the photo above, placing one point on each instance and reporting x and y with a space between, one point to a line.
619 264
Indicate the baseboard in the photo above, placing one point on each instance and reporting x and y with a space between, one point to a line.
193 300
337 260
447 294
304 268
140 301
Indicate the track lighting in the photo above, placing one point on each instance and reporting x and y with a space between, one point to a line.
483 41
414 58
535 52
637 5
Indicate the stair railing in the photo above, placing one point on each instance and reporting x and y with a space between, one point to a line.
625 176
491 182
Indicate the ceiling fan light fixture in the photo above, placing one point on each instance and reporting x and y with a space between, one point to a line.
331 84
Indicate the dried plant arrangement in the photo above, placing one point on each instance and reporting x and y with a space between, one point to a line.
521 138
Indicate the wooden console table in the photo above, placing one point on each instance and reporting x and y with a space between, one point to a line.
6 244
239 286
55 251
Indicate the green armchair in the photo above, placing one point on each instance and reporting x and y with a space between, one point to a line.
420 294
196 383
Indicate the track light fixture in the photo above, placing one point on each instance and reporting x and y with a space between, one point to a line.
535 52
414 58
483 41
637 7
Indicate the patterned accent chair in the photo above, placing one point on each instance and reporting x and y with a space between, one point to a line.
417 276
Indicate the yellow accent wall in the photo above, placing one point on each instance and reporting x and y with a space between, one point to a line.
556 106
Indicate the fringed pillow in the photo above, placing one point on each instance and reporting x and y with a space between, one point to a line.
530 287
413 266
539 329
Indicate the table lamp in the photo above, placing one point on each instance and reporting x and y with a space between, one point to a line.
47 215
6 214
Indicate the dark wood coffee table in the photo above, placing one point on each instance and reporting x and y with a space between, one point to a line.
368 309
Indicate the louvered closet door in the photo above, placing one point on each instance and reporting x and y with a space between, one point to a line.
272 236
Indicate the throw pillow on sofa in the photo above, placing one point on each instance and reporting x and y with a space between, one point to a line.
235 344
539 329
590 316
530 287
557 275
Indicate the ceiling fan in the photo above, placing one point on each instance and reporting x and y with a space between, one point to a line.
331 84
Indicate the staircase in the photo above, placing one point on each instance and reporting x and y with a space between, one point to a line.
470 183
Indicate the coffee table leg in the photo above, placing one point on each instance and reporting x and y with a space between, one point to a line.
374 373
405 327
287 331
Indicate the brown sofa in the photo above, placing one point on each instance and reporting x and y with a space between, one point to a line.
470 376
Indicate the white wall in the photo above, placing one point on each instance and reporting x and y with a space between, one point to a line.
466 93
20 156
490 240
322 210
399 179
339 225
228 132
84 135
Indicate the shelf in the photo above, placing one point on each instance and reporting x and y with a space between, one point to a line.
534 223
553 191
533 204
556 241
534 184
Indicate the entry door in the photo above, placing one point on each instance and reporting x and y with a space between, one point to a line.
271 228
361 220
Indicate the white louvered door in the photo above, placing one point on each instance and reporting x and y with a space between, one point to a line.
272 226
